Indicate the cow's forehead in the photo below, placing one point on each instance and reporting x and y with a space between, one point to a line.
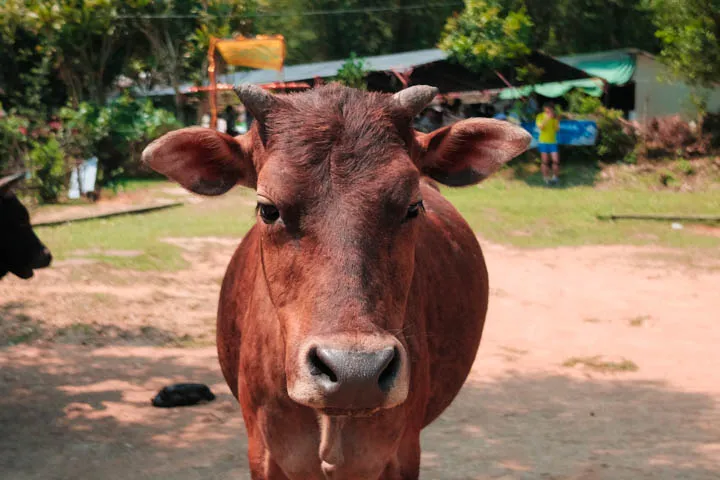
336 139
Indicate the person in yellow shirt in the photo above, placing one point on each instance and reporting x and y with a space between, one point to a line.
548 124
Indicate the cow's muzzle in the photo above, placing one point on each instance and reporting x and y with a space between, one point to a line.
354 377
41 259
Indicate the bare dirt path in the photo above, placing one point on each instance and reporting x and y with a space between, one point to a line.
641 401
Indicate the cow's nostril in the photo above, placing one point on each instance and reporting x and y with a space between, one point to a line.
388 375
319 368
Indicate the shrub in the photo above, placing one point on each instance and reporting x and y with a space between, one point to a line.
353 72
129 125
686 167
616 137
13 142
582 104
672 136
115 134
47 160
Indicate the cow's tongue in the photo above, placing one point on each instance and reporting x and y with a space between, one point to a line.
331 454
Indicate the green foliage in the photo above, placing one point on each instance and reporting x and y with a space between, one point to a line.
689 31
487 36
47 160
379 29
581 26
582 104
81 131
352 73
616 140
685 167
13 142
90 43
117 133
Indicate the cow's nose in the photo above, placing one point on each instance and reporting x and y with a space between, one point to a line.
354 379
42 259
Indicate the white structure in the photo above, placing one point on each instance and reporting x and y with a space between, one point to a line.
651 91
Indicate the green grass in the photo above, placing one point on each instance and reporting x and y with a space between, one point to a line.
514 211
228 216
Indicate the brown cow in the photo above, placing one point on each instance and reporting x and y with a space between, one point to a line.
352 311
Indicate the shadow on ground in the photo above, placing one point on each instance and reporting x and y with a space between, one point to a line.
77 412
19 327
556 427
572 174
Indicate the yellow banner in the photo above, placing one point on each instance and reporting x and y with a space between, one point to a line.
260 52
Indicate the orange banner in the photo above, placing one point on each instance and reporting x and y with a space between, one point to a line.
259 52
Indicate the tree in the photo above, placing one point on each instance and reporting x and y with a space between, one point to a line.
487 36
317 30
580 26
27 68
690 34
90 43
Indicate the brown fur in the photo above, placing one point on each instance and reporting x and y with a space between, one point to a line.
344 265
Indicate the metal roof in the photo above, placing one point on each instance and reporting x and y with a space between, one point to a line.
308 71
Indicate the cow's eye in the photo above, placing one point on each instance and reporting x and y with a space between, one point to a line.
414 210
268 213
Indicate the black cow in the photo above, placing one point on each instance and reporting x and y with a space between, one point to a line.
21 251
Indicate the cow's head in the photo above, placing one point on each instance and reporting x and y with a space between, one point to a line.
337 174
21 251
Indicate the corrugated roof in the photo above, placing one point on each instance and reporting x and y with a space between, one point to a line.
308 71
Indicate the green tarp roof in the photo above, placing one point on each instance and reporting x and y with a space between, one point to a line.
616 67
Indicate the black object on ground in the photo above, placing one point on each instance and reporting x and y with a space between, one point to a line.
183 395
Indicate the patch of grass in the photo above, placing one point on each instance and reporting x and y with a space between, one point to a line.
227 216
77 329
27 335
597 364
506 209
638 321
187 341
685 167
547 217
134 184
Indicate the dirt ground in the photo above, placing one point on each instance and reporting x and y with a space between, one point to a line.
597 363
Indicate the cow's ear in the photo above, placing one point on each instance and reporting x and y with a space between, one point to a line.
6 183
203 160
469 151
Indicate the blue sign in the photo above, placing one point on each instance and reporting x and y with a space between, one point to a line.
572 132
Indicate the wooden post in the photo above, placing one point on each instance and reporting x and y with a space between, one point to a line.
213 83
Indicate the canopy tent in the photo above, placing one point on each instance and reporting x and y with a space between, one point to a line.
616 67
262 51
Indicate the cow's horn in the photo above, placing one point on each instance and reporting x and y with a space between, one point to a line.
415 98
10 180
255 99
